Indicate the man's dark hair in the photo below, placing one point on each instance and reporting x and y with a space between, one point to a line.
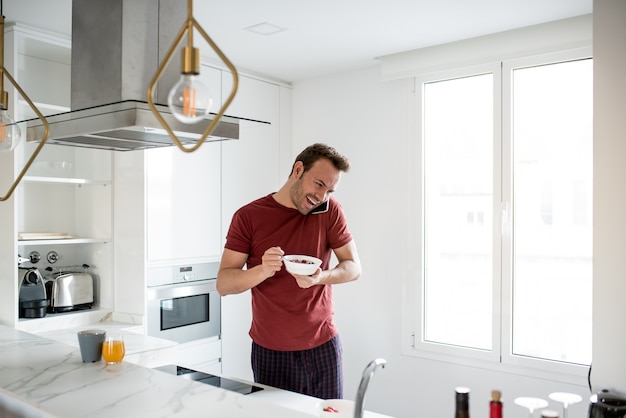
314 152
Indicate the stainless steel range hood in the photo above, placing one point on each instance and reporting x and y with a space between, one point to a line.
124 126
117 46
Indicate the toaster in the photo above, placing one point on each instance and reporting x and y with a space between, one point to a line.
69 291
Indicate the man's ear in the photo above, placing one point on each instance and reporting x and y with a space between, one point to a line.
298 169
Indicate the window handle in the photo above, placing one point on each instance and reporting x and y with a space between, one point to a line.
504 216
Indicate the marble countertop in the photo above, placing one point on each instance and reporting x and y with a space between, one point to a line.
45 377
140 349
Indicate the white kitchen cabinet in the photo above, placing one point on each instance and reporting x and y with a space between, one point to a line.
251 165
183 203
63 204
183 196
251 168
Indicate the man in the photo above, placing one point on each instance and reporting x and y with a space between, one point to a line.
295 342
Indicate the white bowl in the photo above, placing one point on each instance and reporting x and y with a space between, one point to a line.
344 408
303 265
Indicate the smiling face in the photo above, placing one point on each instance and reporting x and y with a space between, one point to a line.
313 187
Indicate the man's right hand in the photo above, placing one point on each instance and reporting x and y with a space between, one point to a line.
272 260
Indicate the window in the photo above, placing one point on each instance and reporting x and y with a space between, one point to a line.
552 225
458 185
505 228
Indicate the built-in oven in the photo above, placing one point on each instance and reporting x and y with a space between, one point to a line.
182 302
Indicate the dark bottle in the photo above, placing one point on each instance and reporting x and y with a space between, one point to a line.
462 402
495 405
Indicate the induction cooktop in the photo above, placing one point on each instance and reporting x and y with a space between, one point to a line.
210 379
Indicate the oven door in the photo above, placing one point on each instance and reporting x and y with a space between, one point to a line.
184 312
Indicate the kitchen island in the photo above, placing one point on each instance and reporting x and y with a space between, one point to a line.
41 377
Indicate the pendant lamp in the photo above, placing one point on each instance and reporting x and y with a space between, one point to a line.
189 100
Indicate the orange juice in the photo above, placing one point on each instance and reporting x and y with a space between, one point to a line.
113 351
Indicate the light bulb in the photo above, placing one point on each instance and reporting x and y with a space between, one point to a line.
189 100
10 134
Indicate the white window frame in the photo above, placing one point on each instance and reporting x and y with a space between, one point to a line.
500 357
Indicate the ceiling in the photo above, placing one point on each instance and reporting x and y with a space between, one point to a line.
328 36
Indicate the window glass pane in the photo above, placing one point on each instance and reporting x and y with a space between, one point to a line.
458 188
552 195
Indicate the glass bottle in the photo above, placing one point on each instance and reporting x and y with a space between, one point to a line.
462 402
495 405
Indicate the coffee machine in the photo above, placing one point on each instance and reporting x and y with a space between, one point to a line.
32 294
607 404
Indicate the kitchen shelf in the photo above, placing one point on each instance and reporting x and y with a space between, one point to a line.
64 180
64 320
64 241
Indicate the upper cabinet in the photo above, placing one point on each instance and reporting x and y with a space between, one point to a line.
256 99
190 196
251 165
183 192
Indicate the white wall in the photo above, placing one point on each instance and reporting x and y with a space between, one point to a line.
367 119
609 201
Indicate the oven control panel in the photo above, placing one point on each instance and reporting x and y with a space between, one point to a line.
183 273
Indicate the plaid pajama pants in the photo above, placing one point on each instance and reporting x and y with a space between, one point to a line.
315 372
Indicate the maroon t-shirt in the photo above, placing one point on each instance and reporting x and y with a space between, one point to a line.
284 316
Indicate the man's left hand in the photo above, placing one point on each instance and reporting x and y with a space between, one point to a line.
307 281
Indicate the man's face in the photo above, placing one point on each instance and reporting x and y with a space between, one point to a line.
314 187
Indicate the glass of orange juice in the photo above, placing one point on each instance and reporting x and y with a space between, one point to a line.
113 349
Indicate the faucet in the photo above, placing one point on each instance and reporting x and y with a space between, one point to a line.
365 380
